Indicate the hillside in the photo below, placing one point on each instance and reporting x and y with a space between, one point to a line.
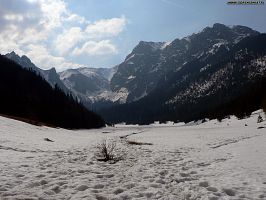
25 94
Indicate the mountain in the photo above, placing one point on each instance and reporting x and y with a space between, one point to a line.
53 78
107 73
198 76
140 72
23 61
92 86
50 75
26 95
84 82
150 62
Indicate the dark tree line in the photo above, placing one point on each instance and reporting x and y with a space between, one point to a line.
24 94
252 99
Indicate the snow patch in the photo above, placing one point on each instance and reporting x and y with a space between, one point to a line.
131 77
165 45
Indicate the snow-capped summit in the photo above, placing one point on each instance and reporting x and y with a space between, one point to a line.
92 85
83 81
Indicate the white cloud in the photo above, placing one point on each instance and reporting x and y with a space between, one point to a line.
7 46
41 57
101 29
46 30
93 48
13 17
106 27
25 22
53 12
76 19
68 39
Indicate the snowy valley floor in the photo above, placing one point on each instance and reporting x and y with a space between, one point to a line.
212 161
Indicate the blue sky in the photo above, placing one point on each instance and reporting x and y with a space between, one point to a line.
100 33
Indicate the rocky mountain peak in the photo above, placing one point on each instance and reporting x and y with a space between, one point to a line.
12 55
144 47
219 26
52 72
25 59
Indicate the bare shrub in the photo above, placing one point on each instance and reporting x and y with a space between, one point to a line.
106 152
260 119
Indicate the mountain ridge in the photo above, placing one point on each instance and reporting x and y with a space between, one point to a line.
148 63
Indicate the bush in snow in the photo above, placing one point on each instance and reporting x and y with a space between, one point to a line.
106 152
259 120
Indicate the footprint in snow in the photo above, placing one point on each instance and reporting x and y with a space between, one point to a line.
82 188
204 184
56 189
184 175
99 176
130 185
118 191
98 186
163 172
229 191
20 175
160 181
109 175
212 189
43 182
262 196
154 185
213 198
100 197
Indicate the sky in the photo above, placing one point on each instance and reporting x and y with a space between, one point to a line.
100 33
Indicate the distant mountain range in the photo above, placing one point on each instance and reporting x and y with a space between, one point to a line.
184 79
89 85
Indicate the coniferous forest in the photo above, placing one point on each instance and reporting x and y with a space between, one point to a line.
26 95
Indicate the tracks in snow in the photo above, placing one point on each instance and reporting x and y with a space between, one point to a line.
231 141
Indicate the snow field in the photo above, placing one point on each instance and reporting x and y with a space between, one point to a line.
215 161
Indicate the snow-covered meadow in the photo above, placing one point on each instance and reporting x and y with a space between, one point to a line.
213 160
